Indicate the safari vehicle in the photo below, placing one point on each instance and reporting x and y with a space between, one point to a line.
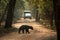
27 14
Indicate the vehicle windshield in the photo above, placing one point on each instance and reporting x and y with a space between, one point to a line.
27 14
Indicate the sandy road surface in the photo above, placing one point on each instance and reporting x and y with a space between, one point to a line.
39 32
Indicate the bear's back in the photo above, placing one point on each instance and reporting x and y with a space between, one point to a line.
24 27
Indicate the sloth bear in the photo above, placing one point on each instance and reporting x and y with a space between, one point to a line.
25 28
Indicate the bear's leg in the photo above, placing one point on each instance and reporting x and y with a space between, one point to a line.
19 31
27 31
22 31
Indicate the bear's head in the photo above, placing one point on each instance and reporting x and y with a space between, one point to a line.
31 27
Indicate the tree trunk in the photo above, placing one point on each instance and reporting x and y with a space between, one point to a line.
51 20
0 0
57 22
37 15
57 16
10 14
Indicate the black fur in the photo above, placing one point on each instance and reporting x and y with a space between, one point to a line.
25 28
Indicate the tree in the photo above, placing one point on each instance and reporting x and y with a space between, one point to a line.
10 14
57 16
18 10
37 14
0 0
34 4
3 9
3 14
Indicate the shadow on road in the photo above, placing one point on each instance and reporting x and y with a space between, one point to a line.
4 31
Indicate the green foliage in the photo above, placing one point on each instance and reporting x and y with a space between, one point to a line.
45 7
19 4
3 4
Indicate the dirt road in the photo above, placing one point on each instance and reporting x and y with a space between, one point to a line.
39 32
